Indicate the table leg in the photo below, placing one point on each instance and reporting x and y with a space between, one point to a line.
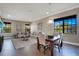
37 46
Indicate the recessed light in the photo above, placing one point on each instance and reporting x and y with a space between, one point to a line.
50 21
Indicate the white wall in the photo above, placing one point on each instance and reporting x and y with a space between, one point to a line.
44 27
33 27
0 11
47 28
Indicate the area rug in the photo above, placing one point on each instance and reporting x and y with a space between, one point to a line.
18 43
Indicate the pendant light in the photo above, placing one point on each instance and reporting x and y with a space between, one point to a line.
50 21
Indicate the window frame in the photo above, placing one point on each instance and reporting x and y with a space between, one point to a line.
63 20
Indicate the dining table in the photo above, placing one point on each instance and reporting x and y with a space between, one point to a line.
52 41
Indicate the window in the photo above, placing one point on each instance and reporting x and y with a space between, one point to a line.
66 24
7 27
1 25
59 25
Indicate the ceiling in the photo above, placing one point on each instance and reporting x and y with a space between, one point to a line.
33 11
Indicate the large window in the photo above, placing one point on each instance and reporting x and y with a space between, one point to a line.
66 24
7 27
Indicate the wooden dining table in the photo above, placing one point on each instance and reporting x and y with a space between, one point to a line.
52 41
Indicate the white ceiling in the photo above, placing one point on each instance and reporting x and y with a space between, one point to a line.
33 11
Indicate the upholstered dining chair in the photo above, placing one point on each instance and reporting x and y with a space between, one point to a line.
59 42
41 42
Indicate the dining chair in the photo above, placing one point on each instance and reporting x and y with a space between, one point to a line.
41 42
59 42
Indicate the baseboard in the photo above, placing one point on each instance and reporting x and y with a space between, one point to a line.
76 44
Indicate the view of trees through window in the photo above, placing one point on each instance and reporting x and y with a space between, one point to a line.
66 24
7 27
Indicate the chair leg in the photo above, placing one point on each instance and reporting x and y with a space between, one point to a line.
61 44
59 49
44 49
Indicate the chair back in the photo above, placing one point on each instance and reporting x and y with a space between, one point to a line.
42 38
59 36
